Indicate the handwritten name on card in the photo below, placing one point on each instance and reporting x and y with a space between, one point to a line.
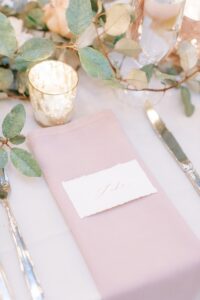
108 188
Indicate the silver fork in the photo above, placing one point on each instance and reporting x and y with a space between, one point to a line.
23 254
5 293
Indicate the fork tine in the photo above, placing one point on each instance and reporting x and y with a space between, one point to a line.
4 184
5 176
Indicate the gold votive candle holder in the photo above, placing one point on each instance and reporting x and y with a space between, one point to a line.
52 89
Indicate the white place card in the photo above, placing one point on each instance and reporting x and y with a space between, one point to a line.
108 188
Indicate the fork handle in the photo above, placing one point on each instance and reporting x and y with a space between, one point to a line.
24 258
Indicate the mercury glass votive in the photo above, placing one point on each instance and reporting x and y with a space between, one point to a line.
52 88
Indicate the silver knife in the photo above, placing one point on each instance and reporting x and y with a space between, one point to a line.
4 290
173 146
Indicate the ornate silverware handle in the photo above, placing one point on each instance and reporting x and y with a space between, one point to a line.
193 176
24 257
5 292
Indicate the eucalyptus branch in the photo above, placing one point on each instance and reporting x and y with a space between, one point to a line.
100 15
21 159
13 95
67 46
119 24
122 80
102 46
175 85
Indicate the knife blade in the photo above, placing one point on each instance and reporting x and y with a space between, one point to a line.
172 145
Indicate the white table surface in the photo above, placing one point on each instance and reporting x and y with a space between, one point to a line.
58 262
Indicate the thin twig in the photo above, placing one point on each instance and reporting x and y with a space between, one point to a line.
67 46
176 85
101 44
12 95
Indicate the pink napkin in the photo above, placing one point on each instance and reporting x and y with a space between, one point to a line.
142 250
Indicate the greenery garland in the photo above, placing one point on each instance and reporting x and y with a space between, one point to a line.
89 39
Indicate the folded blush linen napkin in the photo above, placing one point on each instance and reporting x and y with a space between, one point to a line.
142 250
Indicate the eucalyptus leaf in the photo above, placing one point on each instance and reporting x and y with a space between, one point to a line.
25 163
171 82
95 63
117 38
17 140
8 41
148 69
173 70
117 19
14 121
138 79
163 76
20 64
128 47
35 19
79 15
3 158
36 49
6 79
186 99
87 37
188 55
22 82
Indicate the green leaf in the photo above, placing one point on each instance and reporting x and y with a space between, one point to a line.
95 64
171 82
6 79
164 76
14 121
128 47
36 49
138 79
148 69
19 139
35 19
186 99
8 42
117 19
20 64
25 163
79 15
118 38
173 70
3 158
113 83
22 83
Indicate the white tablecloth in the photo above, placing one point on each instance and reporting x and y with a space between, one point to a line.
58 262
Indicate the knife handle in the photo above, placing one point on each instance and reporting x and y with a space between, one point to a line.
192 175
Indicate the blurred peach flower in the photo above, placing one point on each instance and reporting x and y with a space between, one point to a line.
55 17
